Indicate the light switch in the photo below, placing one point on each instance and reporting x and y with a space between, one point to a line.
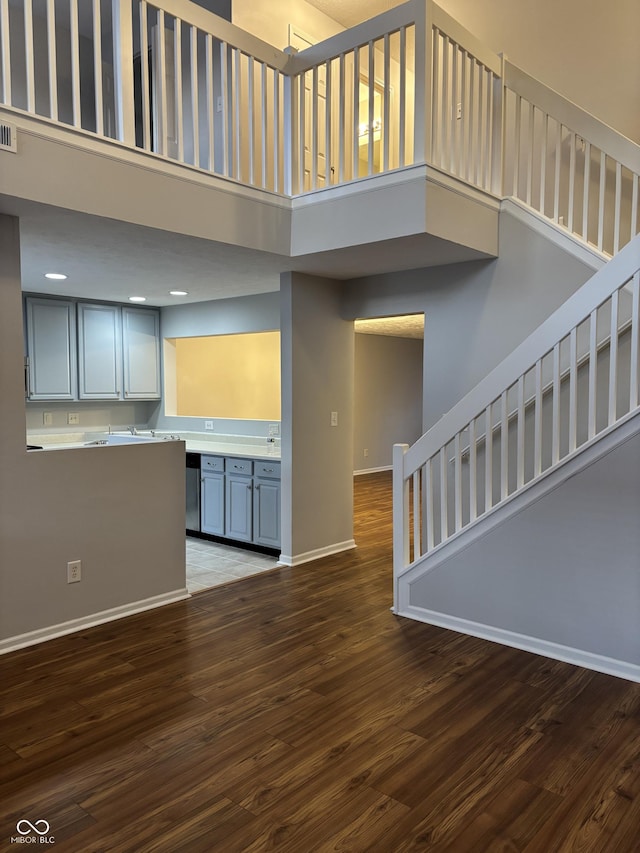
73 418
334 419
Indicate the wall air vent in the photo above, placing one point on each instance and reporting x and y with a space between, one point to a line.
8 137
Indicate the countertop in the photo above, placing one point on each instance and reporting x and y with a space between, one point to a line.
243 447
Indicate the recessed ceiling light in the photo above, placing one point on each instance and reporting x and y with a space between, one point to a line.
179 292
57 276
137 299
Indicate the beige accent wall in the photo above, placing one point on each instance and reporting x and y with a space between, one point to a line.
229 376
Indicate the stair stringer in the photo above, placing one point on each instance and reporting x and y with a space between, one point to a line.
439 575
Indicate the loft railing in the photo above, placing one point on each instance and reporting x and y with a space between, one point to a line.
409 87
568 165
565 386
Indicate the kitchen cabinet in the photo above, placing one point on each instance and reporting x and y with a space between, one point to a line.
99 352
212 495
110 352
238 499
141 352
266 504
51 349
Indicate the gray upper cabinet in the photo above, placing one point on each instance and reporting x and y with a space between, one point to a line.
113 354
99 351
141 349
51 349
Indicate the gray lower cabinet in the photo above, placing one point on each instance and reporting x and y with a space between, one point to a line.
212 495
266 504
240 499
51 349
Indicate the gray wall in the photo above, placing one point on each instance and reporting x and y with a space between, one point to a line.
119 510
317 379
563 570
387 397
475 313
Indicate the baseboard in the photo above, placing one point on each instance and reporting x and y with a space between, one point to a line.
317 554
536 645
372 470
31 638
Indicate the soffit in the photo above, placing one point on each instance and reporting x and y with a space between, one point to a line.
406 326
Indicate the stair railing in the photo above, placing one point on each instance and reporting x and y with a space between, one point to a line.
568 165
567 384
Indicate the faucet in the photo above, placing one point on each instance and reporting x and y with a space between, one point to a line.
132 430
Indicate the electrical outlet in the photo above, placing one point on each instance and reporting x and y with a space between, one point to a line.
73 418
74 571
274 429
366 451
208 425
47 419
458 111
334 419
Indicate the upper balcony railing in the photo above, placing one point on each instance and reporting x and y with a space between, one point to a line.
408 87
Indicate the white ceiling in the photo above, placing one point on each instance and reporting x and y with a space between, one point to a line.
112 260
406 326
352 12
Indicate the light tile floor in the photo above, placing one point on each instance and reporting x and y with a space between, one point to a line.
212 563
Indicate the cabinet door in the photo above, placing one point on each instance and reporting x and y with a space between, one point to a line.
266 512
141 347
239 507
212 504
51 347
99 351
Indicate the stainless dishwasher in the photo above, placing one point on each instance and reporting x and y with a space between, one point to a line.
193 492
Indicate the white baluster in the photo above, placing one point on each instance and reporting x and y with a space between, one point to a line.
613 360
444 495
6 52
617 207
473 462
457 488
572 178
573 390
75 63
428 485
635 336
488 459
417 523
144 68
520 436
601 199
585 191
52 60
97 67
537 419
555 419
504 447
195 94
211 101
29 59
593 367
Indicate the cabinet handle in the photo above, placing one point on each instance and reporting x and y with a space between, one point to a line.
270 470
249 486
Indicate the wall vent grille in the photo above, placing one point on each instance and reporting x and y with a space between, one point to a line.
8 137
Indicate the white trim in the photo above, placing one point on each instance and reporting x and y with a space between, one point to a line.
20 641
372 470
557 234
536 645
316 554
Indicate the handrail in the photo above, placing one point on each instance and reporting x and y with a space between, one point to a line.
197 16
585 125
370 30
576 309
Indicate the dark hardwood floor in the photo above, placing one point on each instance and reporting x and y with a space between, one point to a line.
292 711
